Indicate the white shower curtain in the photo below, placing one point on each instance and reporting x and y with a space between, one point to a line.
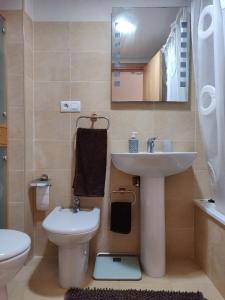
172 51
209 66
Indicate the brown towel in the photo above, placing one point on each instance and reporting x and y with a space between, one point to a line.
91 152
121 217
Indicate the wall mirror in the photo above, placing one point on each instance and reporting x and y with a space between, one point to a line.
150 54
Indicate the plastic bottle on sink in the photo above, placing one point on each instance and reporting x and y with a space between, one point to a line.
133 143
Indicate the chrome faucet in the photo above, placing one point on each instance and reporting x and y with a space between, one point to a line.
76 204
151 144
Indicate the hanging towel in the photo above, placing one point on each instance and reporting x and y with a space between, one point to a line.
91 152
121 217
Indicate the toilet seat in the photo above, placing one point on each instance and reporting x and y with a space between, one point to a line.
13 243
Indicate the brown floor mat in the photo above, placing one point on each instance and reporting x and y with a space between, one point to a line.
110 294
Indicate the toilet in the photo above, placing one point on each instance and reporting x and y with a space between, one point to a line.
14 249
71 232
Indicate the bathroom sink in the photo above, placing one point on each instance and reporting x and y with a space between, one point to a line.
155 164
152 169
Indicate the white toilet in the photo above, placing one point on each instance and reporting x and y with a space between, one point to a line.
14 248
71 232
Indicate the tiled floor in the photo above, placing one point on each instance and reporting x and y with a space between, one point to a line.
38 281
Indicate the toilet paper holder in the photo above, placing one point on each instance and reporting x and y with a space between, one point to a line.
43 181
42 189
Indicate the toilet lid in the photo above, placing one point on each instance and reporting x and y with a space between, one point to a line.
12 243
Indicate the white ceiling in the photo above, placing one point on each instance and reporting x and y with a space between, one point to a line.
90 10
81 10
152 30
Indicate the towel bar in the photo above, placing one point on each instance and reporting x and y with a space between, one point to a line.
122 191
93 119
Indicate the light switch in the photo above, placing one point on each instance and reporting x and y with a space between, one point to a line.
70 106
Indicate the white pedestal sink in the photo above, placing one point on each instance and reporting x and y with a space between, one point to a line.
152 168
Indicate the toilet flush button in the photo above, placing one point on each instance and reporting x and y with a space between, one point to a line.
70 106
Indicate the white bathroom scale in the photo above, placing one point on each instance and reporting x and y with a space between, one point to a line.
110 266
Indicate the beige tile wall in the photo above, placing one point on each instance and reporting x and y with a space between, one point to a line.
72 61
209 248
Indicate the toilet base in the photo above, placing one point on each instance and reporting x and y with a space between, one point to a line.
3 293
73 264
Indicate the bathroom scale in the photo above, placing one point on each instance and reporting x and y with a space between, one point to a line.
110 266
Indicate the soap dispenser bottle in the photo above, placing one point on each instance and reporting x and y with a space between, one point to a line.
133 143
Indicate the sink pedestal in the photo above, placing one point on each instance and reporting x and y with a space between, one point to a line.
153 246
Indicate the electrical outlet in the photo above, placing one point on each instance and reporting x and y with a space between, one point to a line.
70 106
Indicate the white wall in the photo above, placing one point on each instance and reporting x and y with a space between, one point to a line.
90 10
11 4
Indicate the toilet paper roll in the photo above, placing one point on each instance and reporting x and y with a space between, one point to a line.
42 198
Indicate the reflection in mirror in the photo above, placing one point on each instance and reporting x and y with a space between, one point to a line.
150 54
